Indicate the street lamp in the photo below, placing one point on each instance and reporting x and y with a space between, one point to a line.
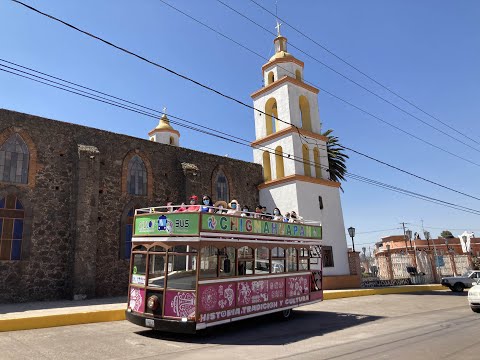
351 232
409 235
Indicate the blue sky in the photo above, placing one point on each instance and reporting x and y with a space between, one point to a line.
427 51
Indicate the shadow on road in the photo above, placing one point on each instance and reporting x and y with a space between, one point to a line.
269 330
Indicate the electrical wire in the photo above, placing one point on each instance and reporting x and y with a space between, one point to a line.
353 176
364 74
210 88
355 82
203 126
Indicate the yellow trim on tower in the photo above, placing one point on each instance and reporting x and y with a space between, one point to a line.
163 130
282 81
303 178
286 131
282 60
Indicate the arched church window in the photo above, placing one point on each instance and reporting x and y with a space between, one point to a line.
267 169
14 158
221 187
271 77
316 160
172 140
305 113
12 216
272 113
279 162
137 177
127 232
298 75
306 160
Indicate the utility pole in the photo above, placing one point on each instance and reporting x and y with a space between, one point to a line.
405 236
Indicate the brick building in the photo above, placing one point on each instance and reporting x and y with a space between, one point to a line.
67 194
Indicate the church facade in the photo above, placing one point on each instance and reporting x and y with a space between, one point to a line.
67 194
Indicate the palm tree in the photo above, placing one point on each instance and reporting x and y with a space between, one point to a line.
336 158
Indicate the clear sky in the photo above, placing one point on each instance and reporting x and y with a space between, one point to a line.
426 51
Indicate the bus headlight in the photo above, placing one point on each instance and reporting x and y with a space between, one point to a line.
153 302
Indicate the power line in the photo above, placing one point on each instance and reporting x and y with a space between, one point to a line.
354 82
364 74
217 91
354 176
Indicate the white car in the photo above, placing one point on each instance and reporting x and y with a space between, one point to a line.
474 297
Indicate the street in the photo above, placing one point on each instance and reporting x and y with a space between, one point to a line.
434 325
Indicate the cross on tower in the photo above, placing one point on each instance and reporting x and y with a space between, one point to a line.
164 110
278 28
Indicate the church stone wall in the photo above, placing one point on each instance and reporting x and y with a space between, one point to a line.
73 213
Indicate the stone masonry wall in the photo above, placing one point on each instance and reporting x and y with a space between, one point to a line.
62 228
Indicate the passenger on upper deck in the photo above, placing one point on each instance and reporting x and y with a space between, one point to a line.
182 208
193 204
245 211
207 204
258 212
277 215
286 218
266 216
233 208
169 206
220 205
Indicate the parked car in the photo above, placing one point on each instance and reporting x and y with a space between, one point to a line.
459 283
474 297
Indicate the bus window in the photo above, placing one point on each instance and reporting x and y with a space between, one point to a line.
245 261
139 264
139 248
262 260
156 270
226 258
183 249
182 274
157 248
303 259
278 260
291 259
208 262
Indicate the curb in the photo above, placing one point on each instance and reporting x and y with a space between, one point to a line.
40 322
380 291
88 317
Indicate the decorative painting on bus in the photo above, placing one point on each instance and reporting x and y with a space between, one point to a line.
166 224
180 304
137 299
220 301
213 222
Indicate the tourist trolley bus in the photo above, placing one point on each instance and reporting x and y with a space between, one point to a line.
193 270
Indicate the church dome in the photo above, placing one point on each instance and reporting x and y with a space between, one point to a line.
164 124
280 55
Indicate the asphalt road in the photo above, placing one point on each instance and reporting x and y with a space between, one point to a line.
434 325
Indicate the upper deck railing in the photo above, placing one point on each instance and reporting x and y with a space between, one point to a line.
159 222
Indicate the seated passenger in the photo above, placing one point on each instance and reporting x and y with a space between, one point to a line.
207 204
182 208
233 208
266 215
193 204
277 215
293 217
169 207
286 218
245 211
219 206
258 212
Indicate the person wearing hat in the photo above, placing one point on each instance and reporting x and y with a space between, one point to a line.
234 208
193 204
220 205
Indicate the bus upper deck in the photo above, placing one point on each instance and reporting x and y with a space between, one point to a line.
192 270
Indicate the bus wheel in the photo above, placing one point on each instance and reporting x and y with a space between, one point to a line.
286 314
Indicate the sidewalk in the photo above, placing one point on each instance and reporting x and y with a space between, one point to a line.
36 315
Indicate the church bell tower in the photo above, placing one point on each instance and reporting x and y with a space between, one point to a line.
293 153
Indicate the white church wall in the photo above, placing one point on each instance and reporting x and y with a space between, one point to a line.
163 137
331 217
294 93
281 96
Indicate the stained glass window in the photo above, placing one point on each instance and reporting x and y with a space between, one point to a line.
12 216
221 187
14 157
137 177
